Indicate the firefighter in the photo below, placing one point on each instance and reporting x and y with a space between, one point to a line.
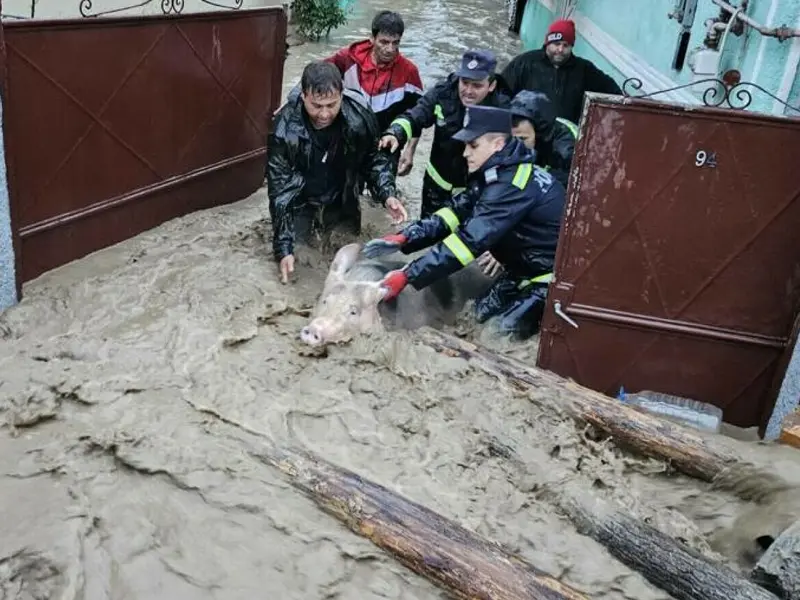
475 83
510 208
552 139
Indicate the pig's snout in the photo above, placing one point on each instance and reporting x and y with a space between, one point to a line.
311 335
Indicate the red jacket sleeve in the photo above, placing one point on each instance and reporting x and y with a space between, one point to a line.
413 76
341 59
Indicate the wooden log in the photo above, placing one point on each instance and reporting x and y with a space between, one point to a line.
701 456
465 564
666 563
677 569
790 430
779 568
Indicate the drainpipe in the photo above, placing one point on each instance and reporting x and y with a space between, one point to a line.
783 32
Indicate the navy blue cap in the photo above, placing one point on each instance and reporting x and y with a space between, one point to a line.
479 120
477 65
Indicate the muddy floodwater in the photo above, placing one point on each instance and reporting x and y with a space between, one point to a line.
134 380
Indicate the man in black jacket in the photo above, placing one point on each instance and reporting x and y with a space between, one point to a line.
557 72
475 83
552 138
322 147
511 208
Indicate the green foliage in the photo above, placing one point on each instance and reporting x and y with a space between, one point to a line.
315 18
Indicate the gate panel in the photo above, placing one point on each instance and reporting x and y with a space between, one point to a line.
678 257
114 126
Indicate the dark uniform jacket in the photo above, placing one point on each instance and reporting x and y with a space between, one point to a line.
289 153
564 85
510 208
442 106
555 137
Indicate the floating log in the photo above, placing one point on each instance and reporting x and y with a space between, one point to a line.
463 563
665 562
779 568
790 430
703 457
675 568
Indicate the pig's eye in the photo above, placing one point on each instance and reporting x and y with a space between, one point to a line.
353 311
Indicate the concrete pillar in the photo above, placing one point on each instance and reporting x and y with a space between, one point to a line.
8 288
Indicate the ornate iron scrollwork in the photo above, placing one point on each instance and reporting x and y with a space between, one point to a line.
231 4
174 7
171 6
86 7
717 94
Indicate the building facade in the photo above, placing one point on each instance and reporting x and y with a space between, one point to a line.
664 46
76 9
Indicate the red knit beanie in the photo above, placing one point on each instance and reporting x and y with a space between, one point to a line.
562 30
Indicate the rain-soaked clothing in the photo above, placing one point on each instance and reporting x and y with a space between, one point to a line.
390 89
315 177
446 173
517 308
555 136
564 85
512 209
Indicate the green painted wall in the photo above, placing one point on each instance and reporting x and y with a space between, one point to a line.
642 26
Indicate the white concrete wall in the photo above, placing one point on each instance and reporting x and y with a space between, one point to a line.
8 288
71 9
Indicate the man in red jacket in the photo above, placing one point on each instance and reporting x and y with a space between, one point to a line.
389 81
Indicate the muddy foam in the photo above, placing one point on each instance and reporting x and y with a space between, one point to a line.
132 378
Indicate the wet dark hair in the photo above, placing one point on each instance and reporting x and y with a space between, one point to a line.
320 78
388 23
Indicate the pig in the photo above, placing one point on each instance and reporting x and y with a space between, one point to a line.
351 300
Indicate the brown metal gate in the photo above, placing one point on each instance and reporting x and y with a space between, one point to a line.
679 258
115 125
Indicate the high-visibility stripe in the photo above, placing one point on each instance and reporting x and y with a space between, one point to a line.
459 249
522 175
434 174
449 217
441 182
438 112
573 129
545 278
405 124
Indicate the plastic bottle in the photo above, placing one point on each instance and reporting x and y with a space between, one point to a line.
692 413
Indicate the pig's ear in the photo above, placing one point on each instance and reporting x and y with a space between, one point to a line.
343 261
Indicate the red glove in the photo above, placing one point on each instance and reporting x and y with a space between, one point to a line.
394 282
385 245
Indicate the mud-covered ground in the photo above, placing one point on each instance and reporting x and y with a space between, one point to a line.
118 480
134 380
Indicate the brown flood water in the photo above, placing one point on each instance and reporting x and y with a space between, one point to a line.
116 485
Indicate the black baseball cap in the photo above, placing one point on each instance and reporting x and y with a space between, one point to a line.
477 65
479 120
